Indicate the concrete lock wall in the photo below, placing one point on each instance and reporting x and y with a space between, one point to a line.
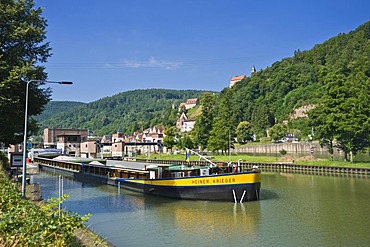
300 147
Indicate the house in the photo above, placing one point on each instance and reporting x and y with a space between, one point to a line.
89 149
184 124
236 79
51 135
68 140
118 149
69 144
143 143
118 137
153 134
190 103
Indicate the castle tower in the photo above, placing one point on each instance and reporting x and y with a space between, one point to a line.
253 70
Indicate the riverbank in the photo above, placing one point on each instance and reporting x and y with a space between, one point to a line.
32 220
306 159
83 237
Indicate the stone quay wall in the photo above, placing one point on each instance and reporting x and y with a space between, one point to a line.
300 147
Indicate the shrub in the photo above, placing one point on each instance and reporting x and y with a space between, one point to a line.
283 152
23 223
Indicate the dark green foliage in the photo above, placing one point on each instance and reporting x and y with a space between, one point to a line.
297 81
244 132
278 131
22 223
283 152
204 122
55 107
169 139
271 95
131 111
22 51
184 141
223 128
344 112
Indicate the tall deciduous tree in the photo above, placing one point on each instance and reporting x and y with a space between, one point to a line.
278 131
204 122
223 129
262 119
344 113
169 139
244 132
22 51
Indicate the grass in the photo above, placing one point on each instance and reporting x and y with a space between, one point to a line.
336 163
262 159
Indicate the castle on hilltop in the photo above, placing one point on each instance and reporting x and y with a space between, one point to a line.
238 78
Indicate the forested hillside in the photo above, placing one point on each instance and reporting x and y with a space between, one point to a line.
268 96
299 80
56 107
130 111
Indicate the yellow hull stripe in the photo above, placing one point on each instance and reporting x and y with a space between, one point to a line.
232 179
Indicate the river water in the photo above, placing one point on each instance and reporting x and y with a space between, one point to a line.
294 210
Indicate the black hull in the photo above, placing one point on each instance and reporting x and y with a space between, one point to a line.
231 193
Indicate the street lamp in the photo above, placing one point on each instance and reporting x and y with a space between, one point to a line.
24 172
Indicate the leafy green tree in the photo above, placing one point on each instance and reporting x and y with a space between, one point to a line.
221 137
278 131
169 139
204 122
244 132
188 142
223 129
343 115
261 120
185 141
22 51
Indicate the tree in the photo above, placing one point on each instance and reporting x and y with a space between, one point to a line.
185 142
354 132
343 114
169 139
223 129
204 122
220 137
244 132
22 51
261 119
278 131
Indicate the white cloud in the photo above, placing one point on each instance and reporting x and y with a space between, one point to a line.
150 63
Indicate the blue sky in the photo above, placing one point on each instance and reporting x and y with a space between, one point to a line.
107 47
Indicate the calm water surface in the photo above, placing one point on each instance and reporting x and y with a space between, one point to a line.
294 210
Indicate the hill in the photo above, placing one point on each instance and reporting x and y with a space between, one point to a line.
334 76
56 107
130 111
269 96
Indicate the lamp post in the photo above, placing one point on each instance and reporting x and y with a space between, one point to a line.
24 172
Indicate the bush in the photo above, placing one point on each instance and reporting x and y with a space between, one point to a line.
23 223
283 152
